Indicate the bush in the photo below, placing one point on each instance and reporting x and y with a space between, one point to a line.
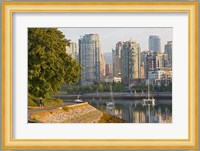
52 102
34 101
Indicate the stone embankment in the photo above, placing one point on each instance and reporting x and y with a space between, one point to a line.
77 113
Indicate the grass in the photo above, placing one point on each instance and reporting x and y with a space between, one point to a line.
35 101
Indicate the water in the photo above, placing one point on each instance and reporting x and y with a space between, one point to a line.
135 112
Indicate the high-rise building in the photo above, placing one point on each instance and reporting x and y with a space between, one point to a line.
109 70
151 62
144 63
143 56
155 61
161 60
142 71
89 58
102 66
154 43
168 50
116 56
130 61
72 50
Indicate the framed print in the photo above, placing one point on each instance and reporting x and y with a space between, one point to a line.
100 75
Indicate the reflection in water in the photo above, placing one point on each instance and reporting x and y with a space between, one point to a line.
135 112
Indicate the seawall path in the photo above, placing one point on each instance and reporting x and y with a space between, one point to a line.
77 113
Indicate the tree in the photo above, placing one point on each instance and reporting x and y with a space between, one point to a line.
106 87
118 87
100 87
90 89
49 67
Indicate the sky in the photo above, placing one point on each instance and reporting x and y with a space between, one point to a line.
110 36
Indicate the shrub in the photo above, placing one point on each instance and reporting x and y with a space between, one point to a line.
34 101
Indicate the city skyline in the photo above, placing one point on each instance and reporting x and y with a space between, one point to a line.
110 36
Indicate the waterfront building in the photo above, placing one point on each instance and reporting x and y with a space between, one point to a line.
117 79
154 43
130 61
157 76
89 58
154 61
168 51
107 80
72 50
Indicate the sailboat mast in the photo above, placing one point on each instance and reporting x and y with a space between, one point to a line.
148 88
111 92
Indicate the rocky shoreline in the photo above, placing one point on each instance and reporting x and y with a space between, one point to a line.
78 113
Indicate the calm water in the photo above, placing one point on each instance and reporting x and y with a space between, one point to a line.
135 112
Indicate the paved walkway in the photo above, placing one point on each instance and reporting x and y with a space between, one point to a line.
37 110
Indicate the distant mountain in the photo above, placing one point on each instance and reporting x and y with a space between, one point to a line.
108 57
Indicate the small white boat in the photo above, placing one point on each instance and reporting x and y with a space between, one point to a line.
78 100
110 104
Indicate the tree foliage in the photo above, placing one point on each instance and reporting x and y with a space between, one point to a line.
100 87
49 67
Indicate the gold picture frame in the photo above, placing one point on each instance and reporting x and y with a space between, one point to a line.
8 8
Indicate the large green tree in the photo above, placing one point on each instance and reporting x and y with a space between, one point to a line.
49 67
